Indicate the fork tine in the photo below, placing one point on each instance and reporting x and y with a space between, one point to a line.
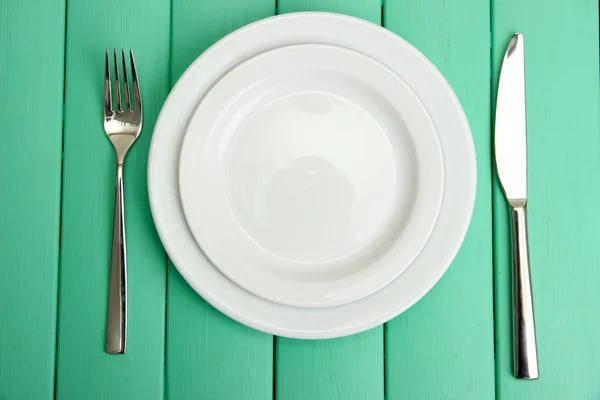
117 83
137 98
125 82
107 91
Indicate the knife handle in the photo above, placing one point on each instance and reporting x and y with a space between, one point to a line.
524 342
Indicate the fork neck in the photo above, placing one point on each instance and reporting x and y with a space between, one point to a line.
120 168
122 143
121 150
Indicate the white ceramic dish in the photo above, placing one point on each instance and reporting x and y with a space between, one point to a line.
311 175
459 169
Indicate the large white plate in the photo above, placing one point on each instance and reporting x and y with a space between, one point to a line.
459 168
311 175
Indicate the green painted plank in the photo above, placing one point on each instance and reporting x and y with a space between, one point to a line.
369 10
84 369
210 356
561 52
346 368
442 348
31 35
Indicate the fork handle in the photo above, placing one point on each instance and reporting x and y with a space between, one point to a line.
116 327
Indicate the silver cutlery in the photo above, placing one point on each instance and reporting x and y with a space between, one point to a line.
511 163
122 125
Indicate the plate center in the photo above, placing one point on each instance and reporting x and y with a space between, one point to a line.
312 177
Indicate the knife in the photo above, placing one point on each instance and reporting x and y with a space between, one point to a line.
511 163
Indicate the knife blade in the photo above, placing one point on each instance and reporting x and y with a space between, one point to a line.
510 144
511 127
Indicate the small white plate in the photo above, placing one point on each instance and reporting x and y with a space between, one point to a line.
311 175
459 175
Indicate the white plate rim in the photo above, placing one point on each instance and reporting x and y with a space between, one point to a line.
400 96
353 40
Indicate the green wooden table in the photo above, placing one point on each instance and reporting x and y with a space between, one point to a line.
56 199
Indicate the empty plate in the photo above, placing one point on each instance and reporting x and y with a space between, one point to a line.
311 175
458 192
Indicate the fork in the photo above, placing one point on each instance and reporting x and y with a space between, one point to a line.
122 126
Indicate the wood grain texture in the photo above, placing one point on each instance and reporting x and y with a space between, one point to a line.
561 55
442 348
31 35
365 9
84 369
346 368
210 356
